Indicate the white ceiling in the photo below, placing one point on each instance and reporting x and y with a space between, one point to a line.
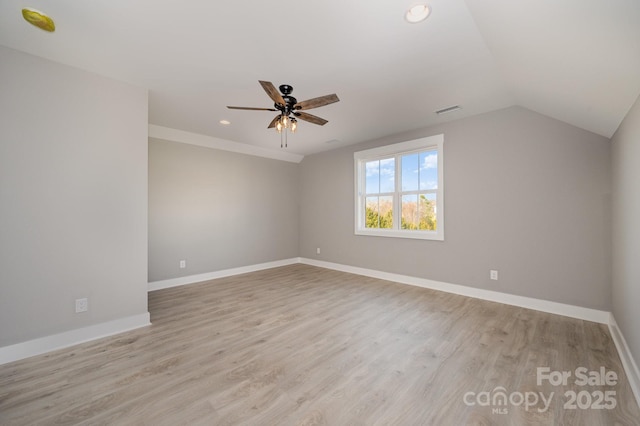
577 61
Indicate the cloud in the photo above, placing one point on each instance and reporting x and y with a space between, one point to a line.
430 162
384 167
373 168
387 167
429 185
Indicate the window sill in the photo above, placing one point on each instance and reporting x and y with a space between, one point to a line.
394 233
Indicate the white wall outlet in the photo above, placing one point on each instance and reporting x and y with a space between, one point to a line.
493 274
318 250
82 305
183 264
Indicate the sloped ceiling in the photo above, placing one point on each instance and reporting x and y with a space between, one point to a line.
577 61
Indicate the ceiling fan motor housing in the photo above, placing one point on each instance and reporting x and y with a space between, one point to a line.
289 101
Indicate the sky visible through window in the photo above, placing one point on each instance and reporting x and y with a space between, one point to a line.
419 172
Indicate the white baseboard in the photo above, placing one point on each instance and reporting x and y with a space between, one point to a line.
578 312
192 279
629 364
72 337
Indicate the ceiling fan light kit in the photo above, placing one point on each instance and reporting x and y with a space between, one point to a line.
290 109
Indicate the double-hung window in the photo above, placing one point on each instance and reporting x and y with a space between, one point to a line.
399 190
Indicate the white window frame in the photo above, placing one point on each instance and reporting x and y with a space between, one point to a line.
397 150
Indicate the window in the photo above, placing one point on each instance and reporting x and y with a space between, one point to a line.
399 190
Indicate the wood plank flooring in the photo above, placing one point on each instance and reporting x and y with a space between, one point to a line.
300 345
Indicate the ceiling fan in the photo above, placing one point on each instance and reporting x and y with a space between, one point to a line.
290 109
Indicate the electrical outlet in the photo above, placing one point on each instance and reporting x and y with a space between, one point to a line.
82 305
183 264
318 250
493 274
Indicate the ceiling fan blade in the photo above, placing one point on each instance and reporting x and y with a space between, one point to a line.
317 102
272 92
273 122
252 108
310 118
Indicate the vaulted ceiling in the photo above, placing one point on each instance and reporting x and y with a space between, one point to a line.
576 61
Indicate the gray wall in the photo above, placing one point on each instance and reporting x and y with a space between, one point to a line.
525 194
73 198
218 209
626 228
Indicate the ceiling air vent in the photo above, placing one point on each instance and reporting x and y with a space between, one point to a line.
448 109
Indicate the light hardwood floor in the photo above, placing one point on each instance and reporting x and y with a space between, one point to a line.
300 345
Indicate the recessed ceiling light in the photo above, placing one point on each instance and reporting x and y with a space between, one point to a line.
225 122
417 13
38 19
